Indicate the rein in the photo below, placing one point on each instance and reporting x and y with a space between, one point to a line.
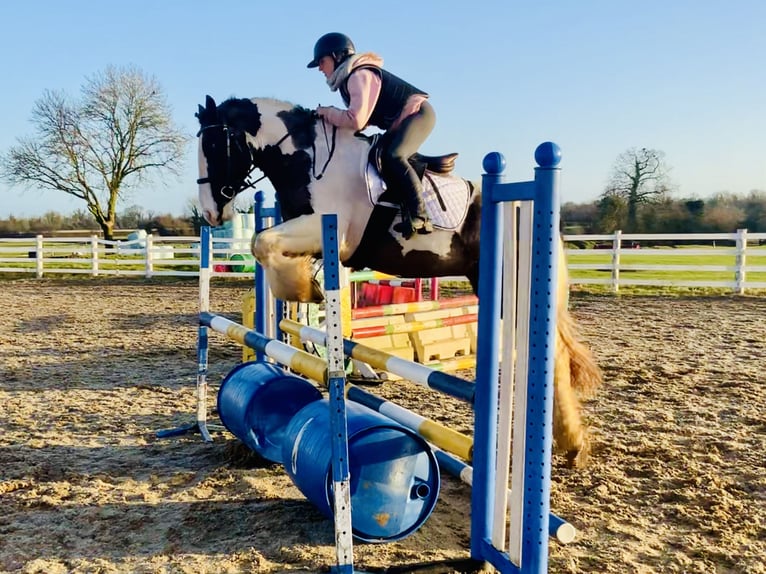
330 147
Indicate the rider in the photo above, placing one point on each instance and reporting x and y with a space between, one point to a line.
374 96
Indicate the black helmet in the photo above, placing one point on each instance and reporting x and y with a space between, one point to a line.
336 44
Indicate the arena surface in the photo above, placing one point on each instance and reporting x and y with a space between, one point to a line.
89 370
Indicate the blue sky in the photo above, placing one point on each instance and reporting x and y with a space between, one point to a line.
596 76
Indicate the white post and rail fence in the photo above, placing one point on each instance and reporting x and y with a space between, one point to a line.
733 262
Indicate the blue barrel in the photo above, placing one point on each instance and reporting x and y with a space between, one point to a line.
257 400
394 473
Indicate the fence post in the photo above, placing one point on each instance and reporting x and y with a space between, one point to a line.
39 256
94 255
616 246
148 248
740 275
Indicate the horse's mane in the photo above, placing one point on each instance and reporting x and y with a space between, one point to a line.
248 114
280 106
275 102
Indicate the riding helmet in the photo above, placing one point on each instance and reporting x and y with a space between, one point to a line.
334 44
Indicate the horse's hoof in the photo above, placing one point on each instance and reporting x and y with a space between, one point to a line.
424 227
317 295
578 458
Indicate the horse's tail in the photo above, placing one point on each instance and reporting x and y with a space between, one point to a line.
585 373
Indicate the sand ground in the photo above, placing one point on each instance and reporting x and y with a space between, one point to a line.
89 370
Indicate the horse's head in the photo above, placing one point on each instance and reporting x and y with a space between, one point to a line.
277 137
225 156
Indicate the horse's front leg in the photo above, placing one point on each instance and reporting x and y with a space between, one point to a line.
285 252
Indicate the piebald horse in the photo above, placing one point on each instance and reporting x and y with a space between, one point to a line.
316 169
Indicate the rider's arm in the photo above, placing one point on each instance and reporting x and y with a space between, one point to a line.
363 90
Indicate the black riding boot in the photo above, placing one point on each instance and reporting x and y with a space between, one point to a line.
414 216
415 210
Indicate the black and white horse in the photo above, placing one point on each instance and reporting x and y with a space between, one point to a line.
316 169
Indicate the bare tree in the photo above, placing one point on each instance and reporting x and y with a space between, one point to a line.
638 176
133 216
119 134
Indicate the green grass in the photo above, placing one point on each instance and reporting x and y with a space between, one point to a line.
666 256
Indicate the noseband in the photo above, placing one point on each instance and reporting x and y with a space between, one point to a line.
228 191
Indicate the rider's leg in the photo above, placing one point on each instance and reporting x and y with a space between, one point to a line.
405 141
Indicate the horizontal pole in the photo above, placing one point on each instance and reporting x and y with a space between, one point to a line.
453 363
411 326
414 372
299 361
415 307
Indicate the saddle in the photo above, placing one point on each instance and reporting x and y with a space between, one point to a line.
441 164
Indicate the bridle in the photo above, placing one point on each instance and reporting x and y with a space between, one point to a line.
229 191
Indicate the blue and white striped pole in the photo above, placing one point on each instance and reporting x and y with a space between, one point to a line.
202 346
299 361
344 550
202 342
259 278
410 370
260 287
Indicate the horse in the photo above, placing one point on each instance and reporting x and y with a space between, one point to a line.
317 169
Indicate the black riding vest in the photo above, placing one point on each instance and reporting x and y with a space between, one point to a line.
394 93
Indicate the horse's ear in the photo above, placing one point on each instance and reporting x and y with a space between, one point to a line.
200 111
209 103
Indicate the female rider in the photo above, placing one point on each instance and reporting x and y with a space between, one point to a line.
374 96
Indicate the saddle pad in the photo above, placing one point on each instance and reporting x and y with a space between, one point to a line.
454 191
